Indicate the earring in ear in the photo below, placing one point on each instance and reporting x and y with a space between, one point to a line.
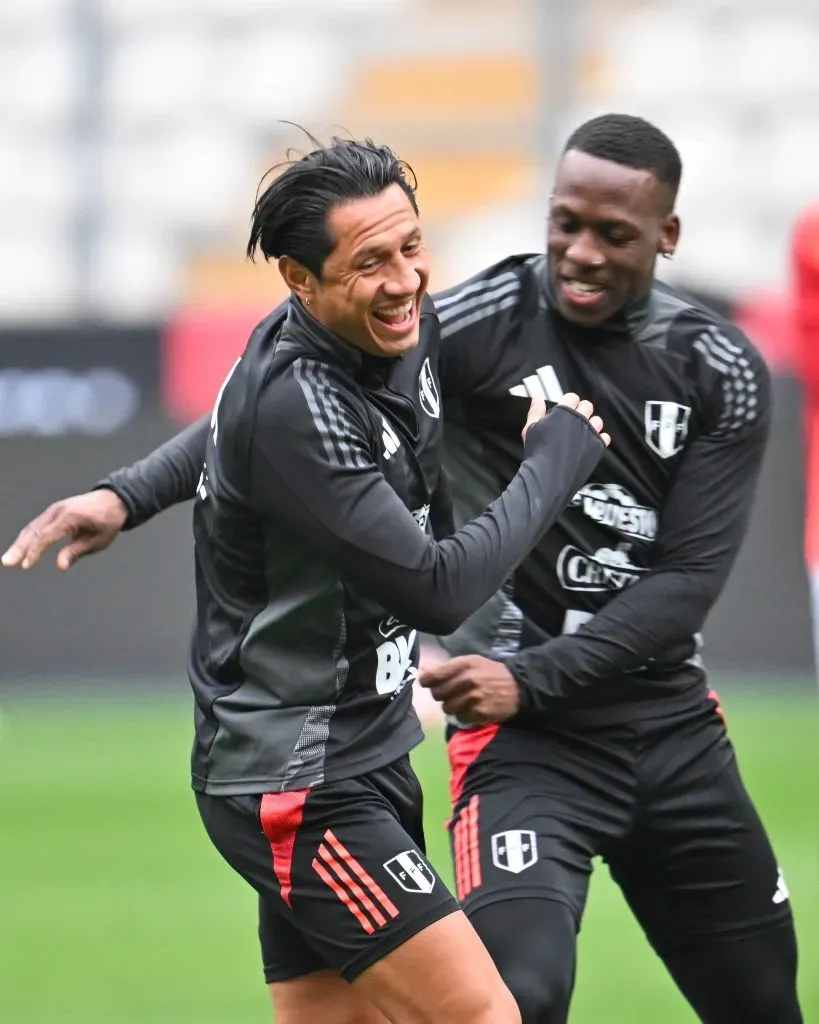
307 301
668 255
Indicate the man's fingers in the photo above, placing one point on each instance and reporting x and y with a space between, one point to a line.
537 410
13 556
596 423
459 706
33 540
570 399
69 554
20 547
451 688
43 538
436 674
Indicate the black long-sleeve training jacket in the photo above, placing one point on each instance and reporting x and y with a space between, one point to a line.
315 561
602 621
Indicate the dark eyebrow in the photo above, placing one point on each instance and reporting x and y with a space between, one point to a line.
608 223
620 222
376 250
367 251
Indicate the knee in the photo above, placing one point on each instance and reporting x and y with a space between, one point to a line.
772 1000
542 991
499 1008
532 942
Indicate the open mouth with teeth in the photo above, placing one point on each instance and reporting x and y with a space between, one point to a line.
582 293
398 319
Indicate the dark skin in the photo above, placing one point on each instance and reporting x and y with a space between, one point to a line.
607 226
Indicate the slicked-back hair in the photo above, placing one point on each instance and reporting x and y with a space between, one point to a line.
290 217
630 141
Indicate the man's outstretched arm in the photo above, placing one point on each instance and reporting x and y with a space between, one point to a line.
162 479
126 498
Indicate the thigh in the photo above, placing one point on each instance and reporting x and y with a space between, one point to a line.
441 974
699 863
530 829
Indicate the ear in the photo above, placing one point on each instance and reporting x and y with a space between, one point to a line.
670 236
298 278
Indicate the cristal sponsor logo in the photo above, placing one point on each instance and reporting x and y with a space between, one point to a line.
612 506
606 569
428 392
515 850
421 516
411 872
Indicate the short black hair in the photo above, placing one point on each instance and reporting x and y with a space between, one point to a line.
631 141
290 215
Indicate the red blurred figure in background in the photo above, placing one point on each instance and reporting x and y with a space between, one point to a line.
805 254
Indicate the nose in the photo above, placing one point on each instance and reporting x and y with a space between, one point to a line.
404 281
583 251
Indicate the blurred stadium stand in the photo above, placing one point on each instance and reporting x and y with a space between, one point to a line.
134 136
135 131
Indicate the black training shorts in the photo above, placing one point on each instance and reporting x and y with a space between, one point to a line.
661 800
340 869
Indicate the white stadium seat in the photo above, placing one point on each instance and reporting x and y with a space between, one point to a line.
37 269
136 269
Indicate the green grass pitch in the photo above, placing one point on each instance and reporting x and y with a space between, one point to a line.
115 909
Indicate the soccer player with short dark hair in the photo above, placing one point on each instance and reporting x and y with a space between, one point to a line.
316 567
581 720
613 745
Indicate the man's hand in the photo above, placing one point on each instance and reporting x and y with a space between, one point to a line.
476 690
537 410
90 521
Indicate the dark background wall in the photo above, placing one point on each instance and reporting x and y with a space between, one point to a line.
128 612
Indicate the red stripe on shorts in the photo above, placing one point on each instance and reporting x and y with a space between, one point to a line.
358 869
343 895
464 749
466 850
462 886
281 817
352 886
474 846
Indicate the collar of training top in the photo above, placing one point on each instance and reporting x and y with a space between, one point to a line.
304 327
329 347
